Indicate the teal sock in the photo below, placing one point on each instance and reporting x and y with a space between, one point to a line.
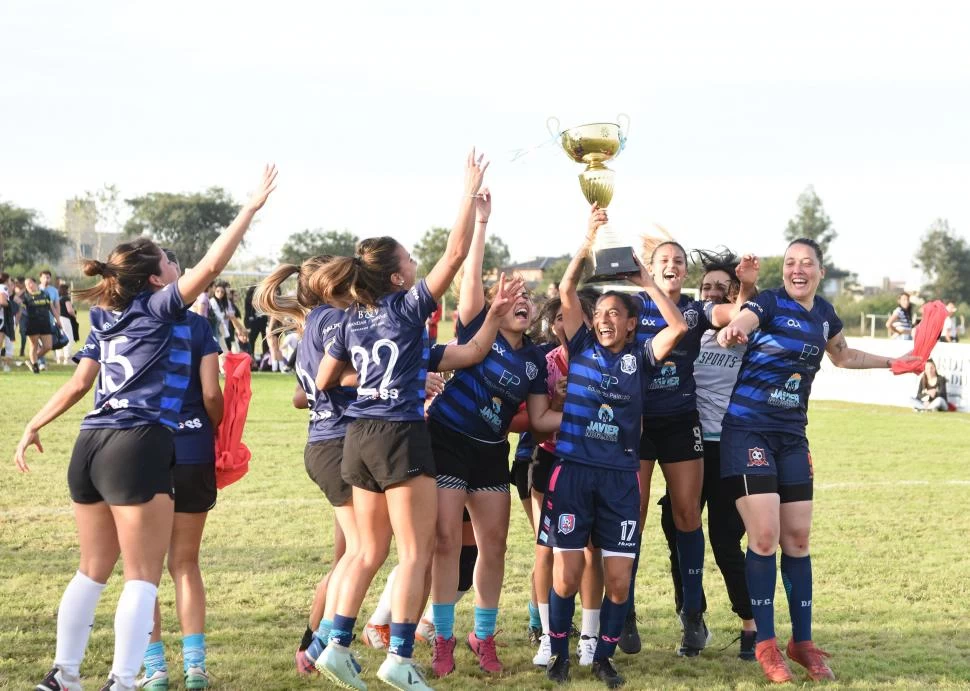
193 651
320 638
155 659
534 621
485 622
443 616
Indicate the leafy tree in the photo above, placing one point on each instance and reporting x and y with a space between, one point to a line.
310 243
555 271
770 275
944 257
431 246
24 240
811 222
185 223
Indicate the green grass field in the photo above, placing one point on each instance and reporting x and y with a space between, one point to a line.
892 575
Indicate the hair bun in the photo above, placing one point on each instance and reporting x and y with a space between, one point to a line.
94 267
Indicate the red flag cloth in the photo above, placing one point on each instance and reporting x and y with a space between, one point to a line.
927 334
232 456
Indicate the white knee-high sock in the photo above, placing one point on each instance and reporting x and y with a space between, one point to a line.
75 617
382 615
544 616
134 619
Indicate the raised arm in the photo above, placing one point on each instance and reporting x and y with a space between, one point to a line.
747 272
459 240
211 265
572 308
471 296
211 391
670 335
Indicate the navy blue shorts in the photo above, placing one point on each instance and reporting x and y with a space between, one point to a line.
766 463
584 502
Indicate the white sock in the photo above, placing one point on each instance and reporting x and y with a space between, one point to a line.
382 615
591 623
274 365
134 619
544 616
75 617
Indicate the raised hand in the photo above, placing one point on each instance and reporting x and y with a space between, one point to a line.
748 269
474 172
266 187
506 295
597 218
483 205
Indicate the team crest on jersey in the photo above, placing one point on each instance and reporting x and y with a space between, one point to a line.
825 331
690 316
531 371
756 457
628 363
567 523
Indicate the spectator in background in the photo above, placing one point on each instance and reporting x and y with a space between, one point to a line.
52 292
900 322
225 316
931 394
75 331
553 290
433 325
256 325
38 307
68 322
201 304
6 320
951 332
243 336
18 296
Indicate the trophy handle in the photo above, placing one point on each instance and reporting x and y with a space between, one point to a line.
624 122
554 130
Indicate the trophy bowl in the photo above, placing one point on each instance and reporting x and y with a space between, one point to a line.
592 144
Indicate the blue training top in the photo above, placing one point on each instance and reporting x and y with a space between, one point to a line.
671 388
388 346
604 402
145 353
780 363
327 408
480 401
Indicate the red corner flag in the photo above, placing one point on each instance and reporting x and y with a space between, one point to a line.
927 334
232 456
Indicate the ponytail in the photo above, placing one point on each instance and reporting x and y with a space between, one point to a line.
123 276
363 278
290 311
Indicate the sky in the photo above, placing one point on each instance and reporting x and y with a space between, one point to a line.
368 109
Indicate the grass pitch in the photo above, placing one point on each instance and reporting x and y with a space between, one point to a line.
892 575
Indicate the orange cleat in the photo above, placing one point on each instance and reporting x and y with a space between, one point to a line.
811 658
377 636
772 661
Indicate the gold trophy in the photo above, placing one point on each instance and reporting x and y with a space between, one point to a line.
594 144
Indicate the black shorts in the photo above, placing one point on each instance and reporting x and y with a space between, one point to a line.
322 461
672 438
381 453
121 466
520 476
195 487
467 464
39 327
540 468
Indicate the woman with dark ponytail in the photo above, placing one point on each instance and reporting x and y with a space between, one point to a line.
120 474
387 453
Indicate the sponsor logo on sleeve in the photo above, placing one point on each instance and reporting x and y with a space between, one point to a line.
531 371
690 316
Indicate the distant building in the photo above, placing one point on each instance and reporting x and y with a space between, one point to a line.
83 240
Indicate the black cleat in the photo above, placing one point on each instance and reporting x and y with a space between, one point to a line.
629 641
558 669
747 639
696 636
606 673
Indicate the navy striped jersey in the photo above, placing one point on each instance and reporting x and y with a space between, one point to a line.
780 363
145 353
480 401
715 373
525 447
327 419
195 437
671 388
604 402
388 346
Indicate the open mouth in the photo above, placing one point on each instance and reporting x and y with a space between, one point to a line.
670 276
521 313
607 332
799 282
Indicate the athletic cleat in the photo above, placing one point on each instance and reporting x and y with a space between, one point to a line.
811 658
535 634
112 685
443 656
484 649
35 368
376 636
304 664
748 639
629 641
772 662
57 681
402 673
606 673
585 649
196 678
42 366
340 667
424 632
544 653
558 669
158 681
696 634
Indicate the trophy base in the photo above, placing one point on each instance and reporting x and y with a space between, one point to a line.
613 264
